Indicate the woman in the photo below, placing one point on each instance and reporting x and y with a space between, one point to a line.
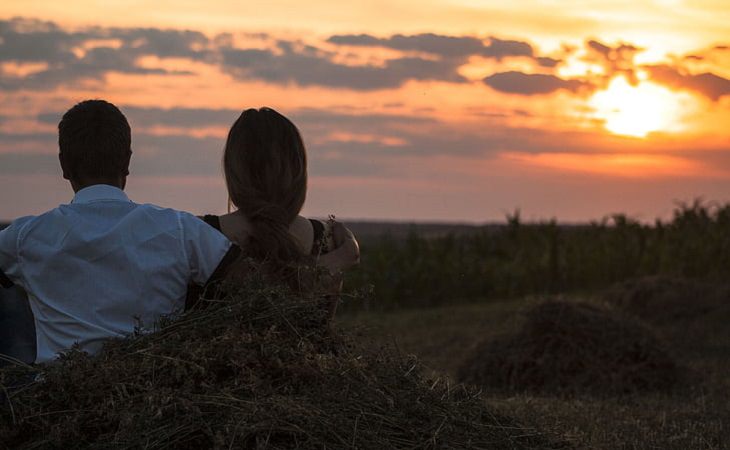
265 167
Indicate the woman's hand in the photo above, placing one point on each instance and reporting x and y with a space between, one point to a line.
345 256
346 253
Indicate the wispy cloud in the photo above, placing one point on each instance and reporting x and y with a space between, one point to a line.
708 84
514 82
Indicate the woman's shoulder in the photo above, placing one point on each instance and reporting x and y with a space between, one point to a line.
303 231
235 226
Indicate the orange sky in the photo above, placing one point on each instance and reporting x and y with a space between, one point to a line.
454 110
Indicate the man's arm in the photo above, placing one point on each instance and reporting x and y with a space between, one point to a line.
209 254
9 262
204 246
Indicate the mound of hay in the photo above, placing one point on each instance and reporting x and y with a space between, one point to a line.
255 369
566 348
661 299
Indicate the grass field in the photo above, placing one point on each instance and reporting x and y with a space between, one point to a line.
695 417
427 268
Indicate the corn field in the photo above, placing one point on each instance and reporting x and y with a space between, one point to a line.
520 259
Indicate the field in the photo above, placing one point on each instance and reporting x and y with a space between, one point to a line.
606 335
696 417
441 296
436 267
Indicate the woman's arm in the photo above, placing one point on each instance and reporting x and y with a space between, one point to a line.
346 253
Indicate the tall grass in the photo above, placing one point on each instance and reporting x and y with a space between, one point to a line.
542 258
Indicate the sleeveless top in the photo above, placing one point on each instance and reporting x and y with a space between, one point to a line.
321 244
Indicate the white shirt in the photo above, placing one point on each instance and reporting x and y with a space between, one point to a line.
104 267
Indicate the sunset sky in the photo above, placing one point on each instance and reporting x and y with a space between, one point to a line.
448 110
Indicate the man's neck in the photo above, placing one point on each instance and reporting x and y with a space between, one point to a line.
78 185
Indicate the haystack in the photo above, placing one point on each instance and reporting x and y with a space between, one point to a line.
566 348
257 368
664 300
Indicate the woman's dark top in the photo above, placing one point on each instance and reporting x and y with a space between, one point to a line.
319 243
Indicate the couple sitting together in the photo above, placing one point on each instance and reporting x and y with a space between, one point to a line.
103 266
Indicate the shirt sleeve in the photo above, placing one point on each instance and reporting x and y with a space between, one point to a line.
205 247
10 272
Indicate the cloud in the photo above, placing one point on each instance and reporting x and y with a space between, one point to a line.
708 84
441 45
499 48
119 50
65 57
309 67
545 61
530 83
618 59
164 43
33 40
29 40
445 46
69 60
71 56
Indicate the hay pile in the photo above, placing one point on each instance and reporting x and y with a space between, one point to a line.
255 369
567 348
664 300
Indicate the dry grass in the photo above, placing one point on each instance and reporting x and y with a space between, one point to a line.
667 300
257 368
694 417
568 347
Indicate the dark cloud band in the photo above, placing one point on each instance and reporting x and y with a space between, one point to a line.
68 57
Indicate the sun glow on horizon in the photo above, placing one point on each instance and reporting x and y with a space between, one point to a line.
637 110
617 165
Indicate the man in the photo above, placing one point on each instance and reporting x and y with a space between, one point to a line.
103 266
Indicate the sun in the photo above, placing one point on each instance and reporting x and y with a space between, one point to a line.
636 110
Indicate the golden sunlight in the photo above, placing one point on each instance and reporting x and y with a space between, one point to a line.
637 110
619 165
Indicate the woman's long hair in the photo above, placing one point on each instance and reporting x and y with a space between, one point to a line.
265 166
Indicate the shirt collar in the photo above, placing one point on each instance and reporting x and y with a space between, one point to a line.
99 192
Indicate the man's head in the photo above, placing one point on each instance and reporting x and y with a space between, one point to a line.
94 140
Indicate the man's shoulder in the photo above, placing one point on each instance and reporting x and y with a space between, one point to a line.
183 219
22 221
21 224
156 209
162 211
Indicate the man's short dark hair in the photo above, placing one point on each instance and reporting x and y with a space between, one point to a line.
95 140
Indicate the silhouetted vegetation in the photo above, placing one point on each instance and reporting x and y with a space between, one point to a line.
543 258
